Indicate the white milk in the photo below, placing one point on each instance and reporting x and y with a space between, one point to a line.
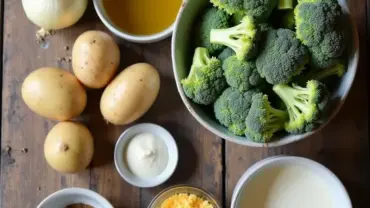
286 186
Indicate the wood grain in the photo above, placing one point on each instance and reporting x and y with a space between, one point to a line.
26 178
343 146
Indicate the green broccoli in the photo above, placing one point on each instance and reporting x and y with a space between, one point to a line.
318 26
321 74
226 53
263 120
211 19
205 81
305 105
281 57
242 75
260 10
241 38
232 107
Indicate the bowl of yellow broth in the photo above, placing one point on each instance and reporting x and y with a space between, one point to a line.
140 21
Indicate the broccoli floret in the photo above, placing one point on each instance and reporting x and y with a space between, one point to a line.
205 81
321 74
260 10
263 120
318 26
305 105
282 56
241 38
232 107
212 18
226 53
242 75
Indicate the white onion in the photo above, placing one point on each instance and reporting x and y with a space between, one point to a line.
54 14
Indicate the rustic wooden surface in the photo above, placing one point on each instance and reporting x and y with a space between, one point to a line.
205 160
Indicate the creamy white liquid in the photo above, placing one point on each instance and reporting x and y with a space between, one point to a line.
287 186
146 156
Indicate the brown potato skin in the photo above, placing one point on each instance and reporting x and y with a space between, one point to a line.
54 93
69 147
95 58
130 95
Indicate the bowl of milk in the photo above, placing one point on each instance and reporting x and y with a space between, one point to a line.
289 182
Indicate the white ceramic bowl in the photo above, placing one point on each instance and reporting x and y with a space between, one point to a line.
130 37
70 196
337 188
182 56
160 133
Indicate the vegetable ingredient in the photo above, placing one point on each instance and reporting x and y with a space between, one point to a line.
95 58
130 94
241 38
232 107
260 10
319 28
263 120
305 105
211 19
242 75
54 93
321 74
185 200
268 50
146 156
69 147
282 56
205 81
54 14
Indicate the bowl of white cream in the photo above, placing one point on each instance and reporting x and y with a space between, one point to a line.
146 155
289 182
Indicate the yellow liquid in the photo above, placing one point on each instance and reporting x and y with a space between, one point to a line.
142 17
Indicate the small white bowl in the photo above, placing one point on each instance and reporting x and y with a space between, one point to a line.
160 133
130 37
71 196
337 188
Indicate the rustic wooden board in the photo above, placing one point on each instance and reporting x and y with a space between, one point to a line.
26 178
343 146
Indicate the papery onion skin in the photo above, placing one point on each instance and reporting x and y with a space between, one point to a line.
54 14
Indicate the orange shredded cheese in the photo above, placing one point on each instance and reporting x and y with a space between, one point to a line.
185 201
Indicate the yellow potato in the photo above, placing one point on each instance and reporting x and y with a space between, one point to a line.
95 58
130 94
54 93
69 147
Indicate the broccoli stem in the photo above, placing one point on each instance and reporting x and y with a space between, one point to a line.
321 74
289 96
285 4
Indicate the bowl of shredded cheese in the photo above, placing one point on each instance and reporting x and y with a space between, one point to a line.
181 196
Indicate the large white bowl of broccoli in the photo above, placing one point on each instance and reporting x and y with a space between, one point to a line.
264 72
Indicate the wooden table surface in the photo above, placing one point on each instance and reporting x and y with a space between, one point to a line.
206 160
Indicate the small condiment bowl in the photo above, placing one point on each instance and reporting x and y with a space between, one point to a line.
160 133
337 188
179 189
69 196
99 8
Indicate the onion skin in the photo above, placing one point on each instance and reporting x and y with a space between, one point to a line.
54 14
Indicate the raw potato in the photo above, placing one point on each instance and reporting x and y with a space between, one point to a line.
130 94
54 93
95 58
69 147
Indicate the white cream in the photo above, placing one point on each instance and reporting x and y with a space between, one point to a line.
287 186
146 156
